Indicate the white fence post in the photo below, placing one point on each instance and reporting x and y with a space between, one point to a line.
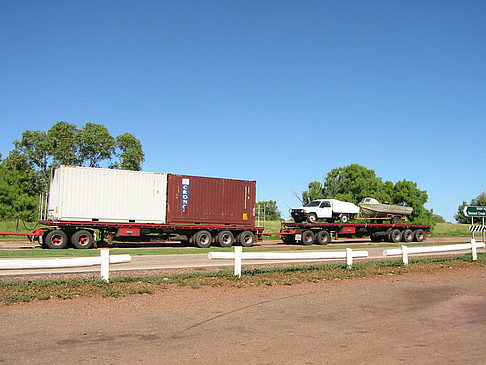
405 254
474 251
349 257
105 264
238 256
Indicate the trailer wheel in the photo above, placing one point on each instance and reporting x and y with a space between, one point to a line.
56 239
395 236
312 217
308 237
407 235
396 219
82 239
323 237
202 239
344 218
246 238
419 235
225 238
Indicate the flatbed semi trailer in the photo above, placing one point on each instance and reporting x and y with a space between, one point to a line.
85 234
322 233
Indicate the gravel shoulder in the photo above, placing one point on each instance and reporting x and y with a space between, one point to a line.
426 318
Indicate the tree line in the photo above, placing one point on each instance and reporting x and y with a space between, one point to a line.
25 172
352 183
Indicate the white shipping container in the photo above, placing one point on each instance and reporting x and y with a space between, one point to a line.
106 195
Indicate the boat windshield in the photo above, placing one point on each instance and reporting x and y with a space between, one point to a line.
314 203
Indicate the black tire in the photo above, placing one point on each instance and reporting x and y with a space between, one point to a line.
419 235
56 239
376 238
246 238
396 219
407 235
312 218
225 238
82 239
395 236
344 218
323 237
203 239
308 237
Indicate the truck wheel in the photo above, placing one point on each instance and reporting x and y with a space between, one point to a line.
396 219
323 237
419 235
56 239
246 238
225 238
407 235
395 236
202 239
344 218
312 218
308 237
82 239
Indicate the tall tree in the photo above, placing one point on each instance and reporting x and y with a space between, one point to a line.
314 191
129 152
353 183
95 144
63 138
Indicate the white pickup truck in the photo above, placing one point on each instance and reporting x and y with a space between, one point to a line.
330 209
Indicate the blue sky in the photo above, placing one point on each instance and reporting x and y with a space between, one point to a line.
280 92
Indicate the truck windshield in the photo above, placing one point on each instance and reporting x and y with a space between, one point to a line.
314 203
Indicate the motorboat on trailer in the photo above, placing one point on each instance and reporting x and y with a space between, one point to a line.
375 209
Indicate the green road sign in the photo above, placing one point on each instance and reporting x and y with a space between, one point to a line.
471 211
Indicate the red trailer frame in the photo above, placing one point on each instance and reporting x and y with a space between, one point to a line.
321 233
83 235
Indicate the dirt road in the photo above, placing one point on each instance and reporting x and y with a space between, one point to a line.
434 317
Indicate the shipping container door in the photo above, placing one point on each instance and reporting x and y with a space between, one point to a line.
203 200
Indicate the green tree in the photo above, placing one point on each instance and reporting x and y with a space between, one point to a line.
129 152
64 144
313 192
460 217
95 144
407 192
270 208
352 183
16 198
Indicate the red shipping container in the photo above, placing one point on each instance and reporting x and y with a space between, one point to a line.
208 200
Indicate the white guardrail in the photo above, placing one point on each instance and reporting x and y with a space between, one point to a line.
349 254
404 251
239 255
104 260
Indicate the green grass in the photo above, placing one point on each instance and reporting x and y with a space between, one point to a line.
450 229
121 286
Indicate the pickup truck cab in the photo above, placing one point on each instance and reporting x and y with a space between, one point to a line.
329 209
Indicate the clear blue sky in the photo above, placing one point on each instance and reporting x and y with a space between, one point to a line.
280 92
